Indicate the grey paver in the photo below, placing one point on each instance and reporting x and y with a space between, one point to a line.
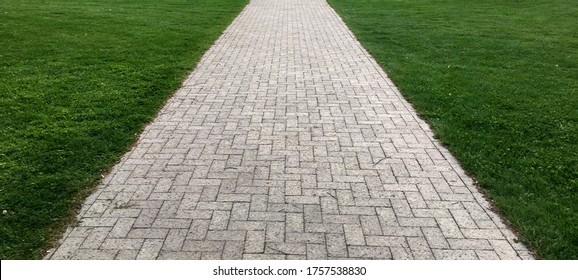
336 246
354 234
255 242
369 252
316 252
126 255
455 254
288 141
150 249
420 248
285 248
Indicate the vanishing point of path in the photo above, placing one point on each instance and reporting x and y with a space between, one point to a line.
288 142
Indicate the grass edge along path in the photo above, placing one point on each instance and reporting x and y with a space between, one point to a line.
497 82
79 79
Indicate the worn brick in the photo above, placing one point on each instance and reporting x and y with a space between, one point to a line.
294 222
172 223
449 228
366 252
435 238
469 244
95 238
122 243
237 235
266 216
275 232
336 246
285 248
203 246
198 230
175 240
220 220
305 237
353 234
150 249
420 248
444 254
389 241
255 242
233 250
156 233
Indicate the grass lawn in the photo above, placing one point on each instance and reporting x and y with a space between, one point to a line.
78 80
498 81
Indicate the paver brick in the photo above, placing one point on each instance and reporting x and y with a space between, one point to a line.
443 254
168 210
370 225
233 250
80 232
259 203
420 248
316 252
369 252
435 238
417 222
336 246
463 218
236 235
294 222
487 255
98 222
175 240
198 230
465 244
95 238
266 216
203 246
305 237
94 254
285 248
171 223
157 233
275 232
67 248
388 241
219 220
449 228
247 225
122 243
504 250
323 228
150 249
264 257
353 234
194 214
483 233
126 255
255 242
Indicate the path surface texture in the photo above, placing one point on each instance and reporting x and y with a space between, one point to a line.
288 141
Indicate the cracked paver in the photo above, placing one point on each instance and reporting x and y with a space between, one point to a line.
288 141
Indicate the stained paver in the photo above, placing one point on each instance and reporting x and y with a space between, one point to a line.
288 142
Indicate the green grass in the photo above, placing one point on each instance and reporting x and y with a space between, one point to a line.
78 80
498 81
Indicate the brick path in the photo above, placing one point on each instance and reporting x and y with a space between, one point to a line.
288 142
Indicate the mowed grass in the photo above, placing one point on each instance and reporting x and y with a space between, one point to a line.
78 81
498 81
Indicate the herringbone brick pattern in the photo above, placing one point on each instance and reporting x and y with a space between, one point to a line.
288 142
